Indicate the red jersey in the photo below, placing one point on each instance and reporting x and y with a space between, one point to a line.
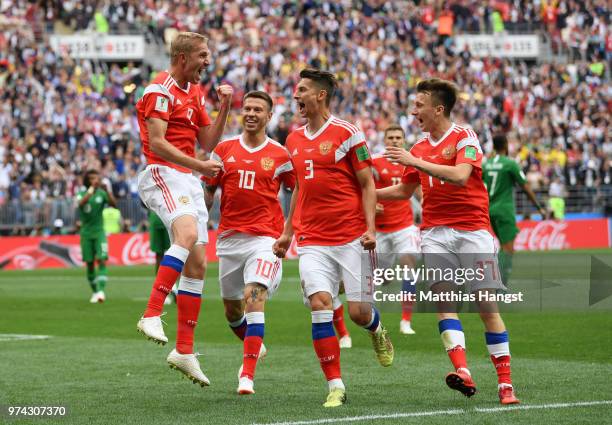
329 202
397 214
183 110
446 204
250 181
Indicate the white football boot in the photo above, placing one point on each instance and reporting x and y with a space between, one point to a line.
346 342
101 296
94 298
406 328
245 386
152 329
189 366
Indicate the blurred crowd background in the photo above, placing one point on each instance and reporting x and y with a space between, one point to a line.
60 116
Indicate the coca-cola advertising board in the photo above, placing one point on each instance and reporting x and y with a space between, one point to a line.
27 253
555 235
124 249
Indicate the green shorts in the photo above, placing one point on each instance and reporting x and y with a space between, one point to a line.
94 248
504 226
159 241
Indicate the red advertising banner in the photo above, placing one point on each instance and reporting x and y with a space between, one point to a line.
124 249
27 253
571 234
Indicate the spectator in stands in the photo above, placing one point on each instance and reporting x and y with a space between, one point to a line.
57 111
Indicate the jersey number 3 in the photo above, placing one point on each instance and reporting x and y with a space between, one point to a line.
309 169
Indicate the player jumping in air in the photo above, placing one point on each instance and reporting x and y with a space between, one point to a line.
395 229
172 116
500 174
254 166
454 233
91 203
336 199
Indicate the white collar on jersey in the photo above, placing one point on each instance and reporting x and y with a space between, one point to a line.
444 136
256 149
176 84
321 130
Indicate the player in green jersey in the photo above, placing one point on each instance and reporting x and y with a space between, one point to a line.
500 174
159 242
91 203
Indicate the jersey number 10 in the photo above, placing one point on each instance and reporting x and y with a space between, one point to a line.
247 179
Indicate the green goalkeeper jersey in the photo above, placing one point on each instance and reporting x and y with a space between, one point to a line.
500 174
92 223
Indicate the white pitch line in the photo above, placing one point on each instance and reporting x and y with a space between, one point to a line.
445 412
371 417
542 406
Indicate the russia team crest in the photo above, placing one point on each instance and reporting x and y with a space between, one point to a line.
267 163
448 152
325 147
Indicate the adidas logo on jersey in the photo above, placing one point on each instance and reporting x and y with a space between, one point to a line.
385 171
231 159
178 102
295 152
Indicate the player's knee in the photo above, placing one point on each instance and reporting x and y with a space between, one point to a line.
321 301
360 313
233 310
255 294
186 239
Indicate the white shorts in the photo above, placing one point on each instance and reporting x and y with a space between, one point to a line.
247 259
171 194
323 267
445 248
403 241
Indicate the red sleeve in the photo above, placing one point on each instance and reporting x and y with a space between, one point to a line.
360 156
469 152
156 105
411 175
203 118
288 179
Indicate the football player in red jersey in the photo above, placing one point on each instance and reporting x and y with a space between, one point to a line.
396 234
172 116
455 229
335 198
254 166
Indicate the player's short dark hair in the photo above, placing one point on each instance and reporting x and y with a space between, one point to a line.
325 80
500 142
258 94
395 127
87 176
442 93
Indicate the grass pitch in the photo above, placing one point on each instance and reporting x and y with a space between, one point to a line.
97 365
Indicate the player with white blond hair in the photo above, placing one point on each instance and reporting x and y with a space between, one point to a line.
172 116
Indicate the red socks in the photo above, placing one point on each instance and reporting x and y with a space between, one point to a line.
502 367
457 357
252 343
170 269
188 302
326 344
339 321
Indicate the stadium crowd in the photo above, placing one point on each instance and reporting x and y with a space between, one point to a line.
60 117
